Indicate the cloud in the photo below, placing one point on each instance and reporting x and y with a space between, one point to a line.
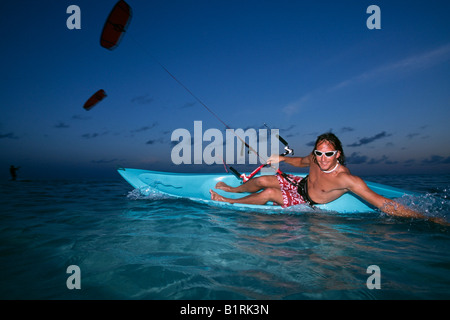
296 106
188 105
409 162
61 125
368 140
291 127
80 117
384 158
346 129
145 128
356 158
93 135
411 63
412 135
153 141
90 135
103 161
435 159
9 135
145 99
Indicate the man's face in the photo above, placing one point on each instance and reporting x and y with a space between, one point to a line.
326 163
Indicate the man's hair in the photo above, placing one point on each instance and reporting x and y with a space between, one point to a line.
331 138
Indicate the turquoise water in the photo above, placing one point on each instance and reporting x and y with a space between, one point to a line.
129 246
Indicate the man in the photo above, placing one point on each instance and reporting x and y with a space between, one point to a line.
13 172
328 179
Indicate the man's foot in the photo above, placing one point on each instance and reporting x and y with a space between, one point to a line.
223 186
217 197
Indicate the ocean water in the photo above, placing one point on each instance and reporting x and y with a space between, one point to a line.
129 246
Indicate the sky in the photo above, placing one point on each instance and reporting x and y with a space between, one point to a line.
303 67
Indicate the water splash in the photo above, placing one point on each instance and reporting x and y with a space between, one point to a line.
147 193
432 204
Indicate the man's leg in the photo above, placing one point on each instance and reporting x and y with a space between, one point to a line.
252 185
269 194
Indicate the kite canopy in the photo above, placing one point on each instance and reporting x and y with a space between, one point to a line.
115 25
96 98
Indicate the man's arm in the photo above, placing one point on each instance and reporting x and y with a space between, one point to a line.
293 161
389 206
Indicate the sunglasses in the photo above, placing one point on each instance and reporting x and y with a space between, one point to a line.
328 154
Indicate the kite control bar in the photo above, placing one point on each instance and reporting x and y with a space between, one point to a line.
245 178
286 147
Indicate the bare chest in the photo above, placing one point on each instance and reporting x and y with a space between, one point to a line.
323 188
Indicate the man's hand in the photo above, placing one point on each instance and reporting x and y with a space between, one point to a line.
275 158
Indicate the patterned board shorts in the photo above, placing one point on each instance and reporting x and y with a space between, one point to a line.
291 197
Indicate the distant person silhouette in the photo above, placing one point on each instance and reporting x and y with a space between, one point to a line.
13 172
